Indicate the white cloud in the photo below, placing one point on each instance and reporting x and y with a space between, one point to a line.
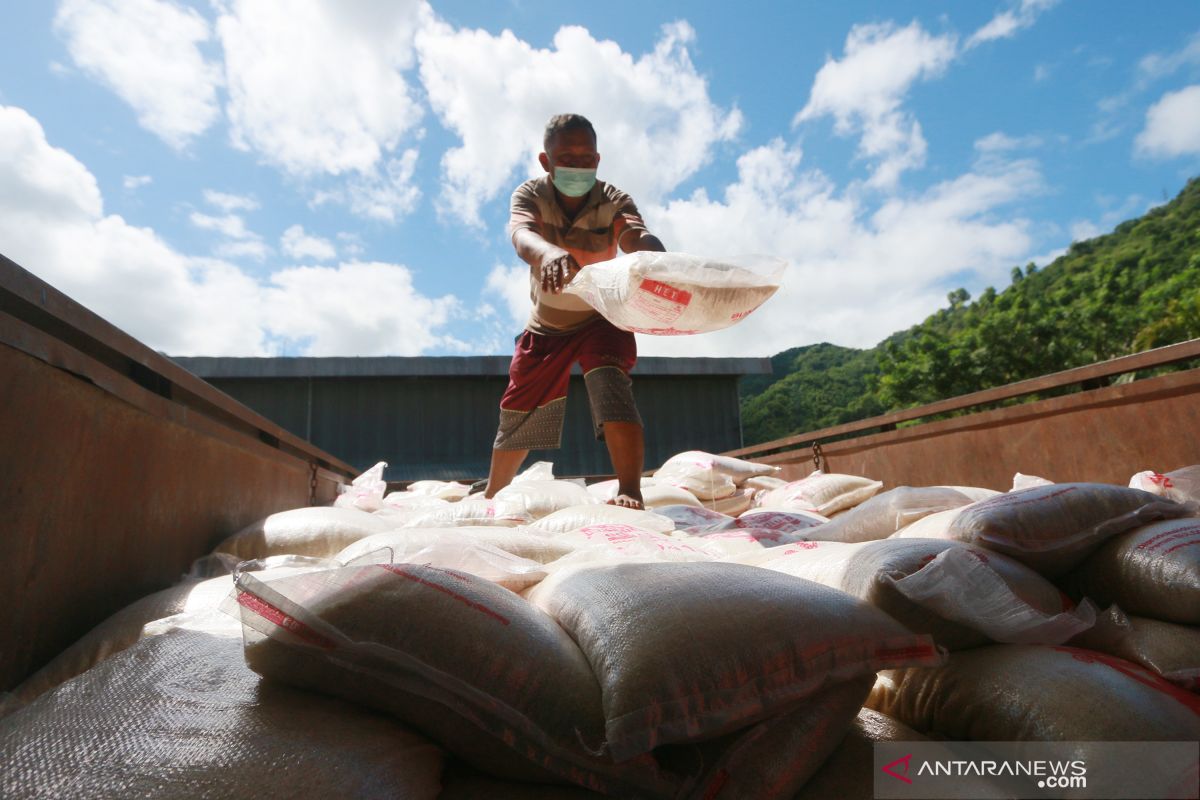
366 308
1000 142
52 222
1006 23
299 245
316 86
230 202
863 93
655 121
384 195
509 284
230 225
857 273
1161 65
148 52
1172 125
132 182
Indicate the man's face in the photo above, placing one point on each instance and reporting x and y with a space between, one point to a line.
574 147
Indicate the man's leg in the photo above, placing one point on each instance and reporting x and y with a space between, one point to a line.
627 449
505 464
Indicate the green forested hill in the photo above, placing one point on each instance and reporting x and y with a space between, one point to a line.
1135 288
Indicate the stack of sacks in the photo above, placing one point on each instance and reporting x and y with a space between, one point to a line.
825 494
653 679
1152 575
962 596
717 482
1050 528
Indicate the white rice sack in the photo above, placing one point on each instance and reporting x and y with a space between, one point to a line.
617 542
975 493
935 526
776 757
698 462
1028 482
569 519
962 596
472 666
1038 693
314 531
125 627
1153 571
734 504
704 483
695 518
605 491
663 495
764 482
537 471
670 294
848 773
1181 485
400 503
688 651
823 493
536 499
783 521
365 492
443 490
474 510
1053 528
884 514
723 544
181 716
1165 648
458 549
516 541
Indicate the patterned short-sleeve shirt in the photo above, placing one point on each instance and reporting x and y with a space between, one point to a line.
590 236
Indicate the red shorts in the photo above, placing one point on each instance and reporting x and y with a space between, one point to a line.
533 406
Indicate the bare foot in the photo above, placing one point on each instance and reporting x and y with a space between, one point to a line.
628 500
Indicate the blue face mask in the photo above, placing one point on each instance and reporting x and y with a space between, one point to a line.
574 181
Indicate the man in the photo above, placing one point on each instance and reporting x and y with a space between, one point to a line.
561 223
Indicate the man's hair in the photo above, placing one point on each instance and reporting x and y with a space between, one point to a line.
565 122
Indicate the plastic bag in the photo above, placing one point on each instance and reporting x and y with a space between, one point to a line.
671 294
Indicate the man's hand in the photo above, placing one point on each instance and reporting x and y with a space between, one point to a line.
557 271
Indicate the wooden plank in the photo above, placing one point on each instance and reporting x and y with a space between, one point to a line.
1161 356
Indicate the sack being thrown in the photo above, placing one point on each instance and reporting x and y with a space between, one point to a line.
672 294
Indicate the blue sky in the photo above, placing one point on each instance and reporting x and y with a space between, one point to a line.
323 177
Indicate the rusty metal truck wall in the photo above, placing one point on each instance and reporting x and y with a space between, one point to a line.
119 468
1103 434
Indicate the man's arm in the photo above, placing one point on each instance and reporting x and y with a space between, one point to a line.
556 265
636 239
